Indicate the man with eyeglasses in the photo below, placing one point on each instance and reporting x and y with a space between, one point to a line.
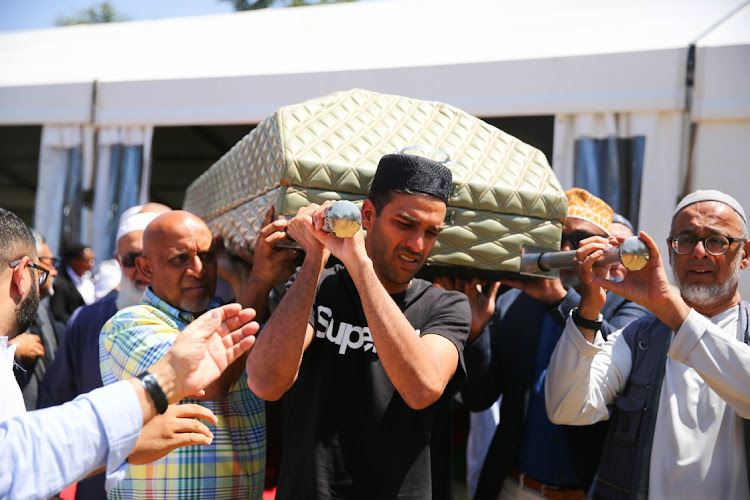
508 354
678 382
36 348
43 451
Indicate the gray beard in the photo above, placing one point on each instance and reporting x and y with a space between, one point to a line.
708 295
129 294
26 311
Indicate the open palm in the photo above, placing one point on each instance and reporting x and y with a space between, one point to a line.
204 349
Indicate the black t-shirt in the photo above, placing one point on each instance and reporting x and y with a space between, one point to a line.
348 433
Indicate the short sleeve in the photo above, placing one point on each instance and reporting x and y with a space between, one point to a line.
450 317
133 342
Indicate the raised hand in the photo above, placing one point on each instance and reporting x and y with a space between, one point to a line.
271 265
649 287
593 296
204 349
482 298
307 229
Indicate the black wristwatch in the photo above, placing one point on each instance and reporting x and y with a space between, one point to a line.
151 384
586 323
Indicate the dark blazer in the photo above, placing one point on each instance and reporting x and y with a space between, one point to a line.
29 373
66 298
501 361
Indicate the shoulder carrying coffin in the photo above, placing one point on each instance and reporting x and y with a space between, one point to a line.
505 195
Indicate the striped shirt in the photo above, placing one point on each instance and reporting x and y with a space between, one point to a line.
233 465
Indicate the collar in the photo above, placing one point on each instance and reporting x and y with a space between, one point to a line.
151 299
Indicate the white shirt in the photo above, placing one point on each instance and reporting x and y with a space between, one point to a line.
84 284
482 426
11 403
46 450
698 446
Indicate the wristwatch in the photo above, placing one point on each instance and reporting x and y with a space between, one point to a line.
586 323
151 384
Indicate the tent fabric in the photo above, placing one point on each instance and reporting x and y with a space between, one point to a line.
488 57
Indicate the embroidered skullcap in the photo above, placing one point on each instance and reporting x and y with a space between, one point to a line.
584 205
134 222
412 173
710 195
619 219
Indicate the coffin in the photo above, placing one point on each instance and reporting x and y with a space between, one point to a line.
505 195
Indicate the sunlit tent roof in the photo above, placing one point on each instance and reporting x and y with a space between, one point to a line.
490 58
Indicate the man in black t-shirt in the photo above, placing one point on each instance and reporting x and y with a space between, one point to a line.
364 350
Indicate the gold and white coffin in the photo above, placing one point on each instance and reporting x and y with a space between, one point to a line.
505 195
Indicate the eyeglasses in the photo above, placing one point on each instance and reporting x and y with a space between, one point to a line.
576 237
43 273
128 260
51 261
716 244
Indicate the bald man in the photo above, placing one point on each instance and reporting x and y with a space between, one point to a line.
44 451
75 369
180 263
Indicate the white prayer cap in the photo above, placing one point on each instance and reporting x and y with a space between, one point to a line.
134 222
710 195
130 212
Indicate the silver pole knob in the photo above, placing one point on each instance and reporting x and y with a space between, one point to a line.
343 219
633 254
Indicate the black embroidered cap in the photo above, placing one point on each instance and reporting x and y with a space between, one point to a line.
412 173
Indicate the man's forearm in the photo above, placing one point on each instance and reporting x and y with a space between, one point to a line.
415 371
274 361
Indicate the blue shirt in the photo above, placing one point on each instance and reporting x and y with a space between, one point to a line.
43 451
544 447
75 371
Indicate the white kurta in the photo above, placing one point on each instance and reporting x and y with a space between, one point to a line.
698 448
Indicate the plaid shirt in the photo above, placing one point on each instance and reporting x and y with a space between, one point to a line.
233 465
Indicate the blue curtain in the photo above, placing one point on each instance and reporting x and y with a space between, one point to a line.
71 230
124 187
612 169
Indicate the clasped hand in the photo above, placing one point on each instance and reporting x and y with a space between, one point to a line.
307 229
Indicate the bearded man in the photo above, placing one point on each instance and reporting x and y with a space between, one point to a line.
511 342
63 444
679 383
364 349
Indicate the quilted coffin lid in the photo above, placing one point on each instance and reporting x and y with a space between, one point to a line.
334 143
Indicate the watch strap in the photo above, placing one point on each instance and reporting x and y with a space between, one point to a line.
151 384
586 323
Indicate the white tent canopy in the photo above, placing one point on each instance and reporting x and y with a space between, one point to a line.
490 58
603 68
